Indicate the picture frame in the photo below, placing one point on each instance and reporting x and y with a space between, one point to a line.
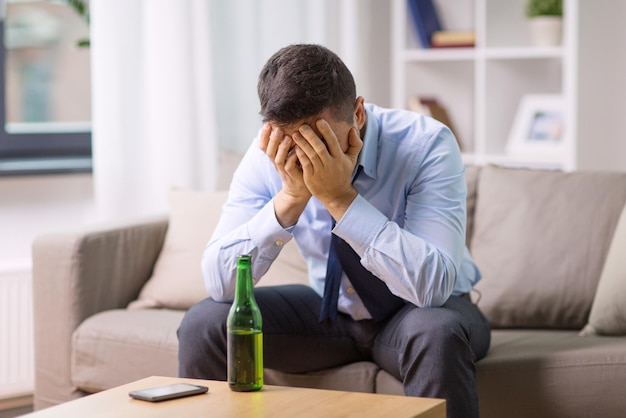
538 128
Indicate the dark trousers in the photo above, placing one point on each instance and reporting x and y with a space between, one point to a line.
433 351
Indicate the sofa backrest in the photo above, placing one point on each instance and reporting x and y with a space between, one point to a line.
540 239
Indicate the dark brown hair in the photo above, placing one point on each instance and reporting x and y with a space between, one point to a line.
301 81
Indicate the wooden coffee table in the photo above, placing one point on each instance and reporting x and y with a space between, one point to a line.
271 401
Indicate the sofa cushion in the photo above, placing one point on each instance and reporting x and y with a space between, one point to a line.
353 377
119 346
550 373
608 312
544 373
176 282
540 239
388 385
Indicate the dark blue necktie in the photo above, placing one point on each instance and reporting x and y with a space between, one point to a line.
328 311
374 293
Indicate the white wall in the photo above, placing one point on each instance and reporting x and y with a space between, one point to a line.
29 207
33 205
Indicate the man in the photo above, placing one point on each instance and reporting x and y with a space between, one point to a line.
390 186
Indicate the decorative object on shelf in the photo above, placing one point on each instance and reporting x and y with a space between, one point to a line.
429 106
537 131
425 19
545 19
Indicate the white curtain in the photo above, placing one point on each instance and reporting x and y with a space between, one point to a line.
153 111
153 63
246 33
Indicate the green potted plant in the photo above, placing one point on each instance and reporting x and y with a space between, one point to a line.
546 21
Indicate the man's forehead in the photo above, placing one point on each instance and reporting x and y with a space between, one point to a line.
290 128
293 127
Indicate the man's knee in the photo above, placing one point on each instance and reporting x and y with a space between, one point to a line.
447 329
202 341
205 320
434 333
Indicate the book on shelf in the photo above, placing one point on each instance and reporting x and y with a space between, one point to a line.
431 32
429 106
425 19
453 39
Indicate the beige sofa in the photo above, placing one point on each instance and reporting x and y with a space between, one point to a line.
551 247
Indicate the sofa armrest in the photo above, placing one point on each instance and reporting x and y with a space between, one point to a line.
75 275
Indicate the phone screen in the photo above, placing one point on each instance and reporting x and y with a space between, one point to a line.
173 391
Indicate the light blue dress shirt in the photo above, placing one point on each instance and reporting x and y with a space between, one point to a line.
407 223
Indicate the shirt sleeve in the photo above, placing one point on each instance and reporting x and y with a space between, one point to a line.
418 257
247 225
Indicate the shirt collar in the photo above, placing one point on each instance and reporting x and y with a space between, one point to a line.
368 154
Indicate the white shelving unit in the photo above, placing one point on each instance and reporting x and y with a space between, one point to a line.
481 87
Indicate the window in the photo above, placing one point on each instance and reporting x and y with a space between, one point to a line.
45 99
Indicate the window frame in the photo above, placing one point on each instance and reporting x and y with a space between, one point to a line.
32 153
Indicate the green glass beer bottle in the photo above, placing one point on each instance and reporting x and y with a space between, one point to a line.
244 334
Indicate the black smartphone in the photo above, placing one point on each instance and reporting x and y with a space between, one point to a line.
173 391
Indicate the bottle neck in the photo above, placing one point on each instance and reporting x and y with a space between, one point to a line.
243 289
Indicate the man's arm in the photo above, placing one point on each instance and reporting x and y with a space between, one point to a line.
266 196
419 255
290 202
419 259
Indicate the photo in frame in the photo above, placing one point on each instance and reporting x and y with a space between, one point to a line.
537 130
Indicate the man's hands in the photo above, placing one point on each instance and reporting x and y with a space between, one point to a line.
327 169
290 202
280 149
309 165
317 162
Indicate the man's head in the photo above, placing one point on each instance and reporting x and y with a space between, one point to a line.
302 81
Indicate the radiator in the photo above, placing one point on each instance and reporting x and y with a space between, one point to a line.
16 331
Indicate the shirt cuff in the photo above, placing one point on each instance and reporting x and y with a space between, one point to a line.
360 225
266 233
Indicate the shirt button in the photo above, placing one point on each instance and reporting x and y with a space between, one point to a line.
350 290
279 242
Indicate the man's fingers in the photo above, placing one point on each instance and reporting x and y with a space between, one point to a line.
332 144
283 151
276 137
305 161
355 143
292 164
265 136
314 141
305 145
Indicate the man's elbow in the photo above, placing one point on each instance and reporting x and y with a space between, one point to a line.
443 279
212 279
